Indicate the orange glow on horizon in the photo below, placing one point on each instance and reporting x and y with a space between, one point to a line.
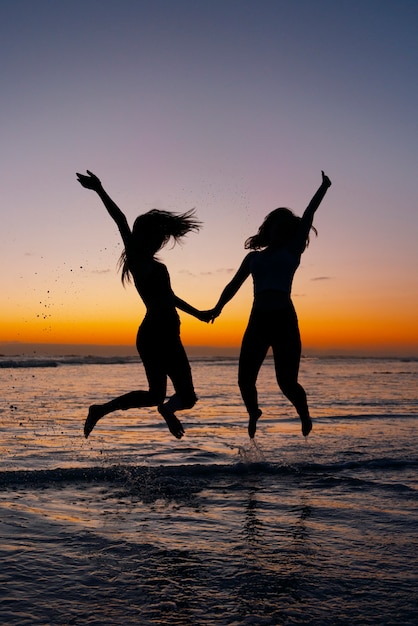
319 333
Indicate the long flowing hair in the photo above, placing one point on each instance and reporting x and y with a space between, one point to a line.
151 231
288 223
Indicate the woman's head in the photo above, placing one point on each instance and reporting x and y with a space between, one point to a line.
152 230
278 228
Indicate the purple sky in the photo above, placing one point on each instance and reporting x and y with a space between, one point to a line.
232 107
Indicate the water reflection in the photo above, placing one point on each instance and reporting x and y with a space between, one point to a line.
253 526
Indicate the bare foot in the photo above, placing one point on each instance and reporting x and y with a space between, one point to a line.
306 425
93 417
174 425
252 423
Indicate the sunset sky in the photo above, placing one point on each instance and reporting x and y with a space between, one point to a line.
230 107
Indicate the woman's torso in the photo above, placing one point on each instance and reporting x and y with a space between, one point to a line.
272 270
152 282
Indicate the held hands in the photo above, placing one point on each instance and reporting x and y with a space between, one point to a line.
325 180
208 316
90 181
205 316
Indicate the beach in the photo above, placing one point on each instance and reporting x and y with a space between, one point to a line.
135 527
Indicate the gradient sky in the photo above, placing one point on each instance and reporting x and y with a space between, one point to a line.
231 107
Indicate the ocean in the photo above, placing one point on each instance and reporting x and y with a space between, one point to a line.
135 527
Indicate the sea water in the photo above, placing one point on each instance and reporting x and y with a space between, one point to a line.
135 527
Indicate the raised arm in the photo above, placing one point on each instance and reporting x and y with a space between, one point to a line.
90 181
308 215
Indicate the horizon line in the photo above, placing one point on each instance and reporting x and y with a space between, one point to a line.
16 348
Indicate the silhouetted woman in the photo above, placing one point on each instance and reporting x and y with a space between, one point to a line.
158 340
277 249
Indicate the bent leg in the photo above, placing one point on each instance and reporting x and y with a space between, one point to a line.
287 353
156 363
131 400
157 381
180 373
253 352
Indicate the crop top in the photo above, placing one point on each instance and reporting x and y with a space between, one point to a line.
273 269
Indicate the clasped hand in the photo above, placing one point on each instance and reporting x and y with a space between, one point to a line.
208 316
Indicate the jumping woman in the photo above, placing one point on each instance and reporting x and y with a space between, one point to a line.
158 340
275 257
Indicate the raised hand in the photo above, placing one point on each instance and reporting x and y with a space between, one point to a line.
89 181
325 180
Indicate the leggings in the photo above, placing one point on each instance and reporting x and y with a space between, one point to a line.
278 330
